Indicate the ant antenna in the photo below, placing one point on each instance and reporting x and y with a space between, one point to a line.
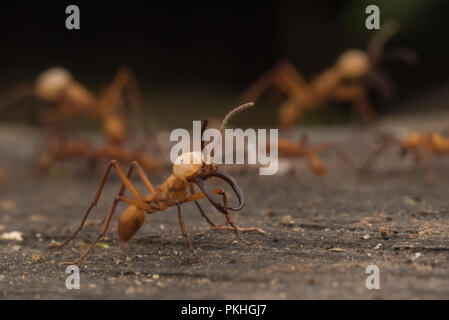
234 112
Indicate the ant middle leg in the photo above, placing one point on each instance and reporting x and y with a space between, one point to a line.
184 232
197 196
203 214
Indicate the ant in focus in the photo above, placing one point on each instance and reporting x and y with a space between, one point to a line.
347 80
189 169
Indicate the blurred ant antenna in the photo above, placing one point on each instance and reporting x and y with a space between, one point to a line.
377 45
135 100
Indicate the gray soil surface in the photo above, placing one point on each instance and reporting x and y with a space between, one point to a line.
322 233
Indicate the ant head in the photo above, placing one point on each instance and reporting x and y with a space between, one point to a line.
193 168
192 164
51 82
353 64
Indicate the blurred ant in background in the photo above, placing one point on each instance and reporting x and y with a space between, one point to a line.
294 150
422 146
68 99
347 81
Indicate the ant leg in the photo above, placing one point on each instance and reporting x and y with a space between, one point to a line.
143 176
101 235
340 153
374 155
94 202
197 196
184 231
364 108
231 225
203 214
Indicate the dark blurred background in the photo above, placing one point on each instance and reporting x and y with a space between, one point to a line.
199 56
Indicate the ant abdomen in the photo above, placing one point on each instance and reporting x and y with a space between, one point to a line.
129 222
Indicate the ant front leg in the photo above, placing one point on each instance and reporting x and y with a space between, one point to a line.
184 231
231 225
203 214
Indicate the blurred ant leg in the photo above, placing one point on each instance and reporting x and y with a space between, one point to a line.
428 163
45 151
340 153
184 231
256 88
125 183
364 108
374 155
303 139
294 83
292 168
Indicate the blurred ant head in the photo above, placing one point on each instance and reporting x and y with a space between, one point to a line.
51 83
353 64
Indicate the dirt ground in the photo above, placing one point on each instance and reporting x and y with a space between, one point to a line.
321 232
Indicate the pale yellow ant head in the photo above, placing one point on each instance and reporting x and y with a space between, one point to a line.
192 163
51 83
353 64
